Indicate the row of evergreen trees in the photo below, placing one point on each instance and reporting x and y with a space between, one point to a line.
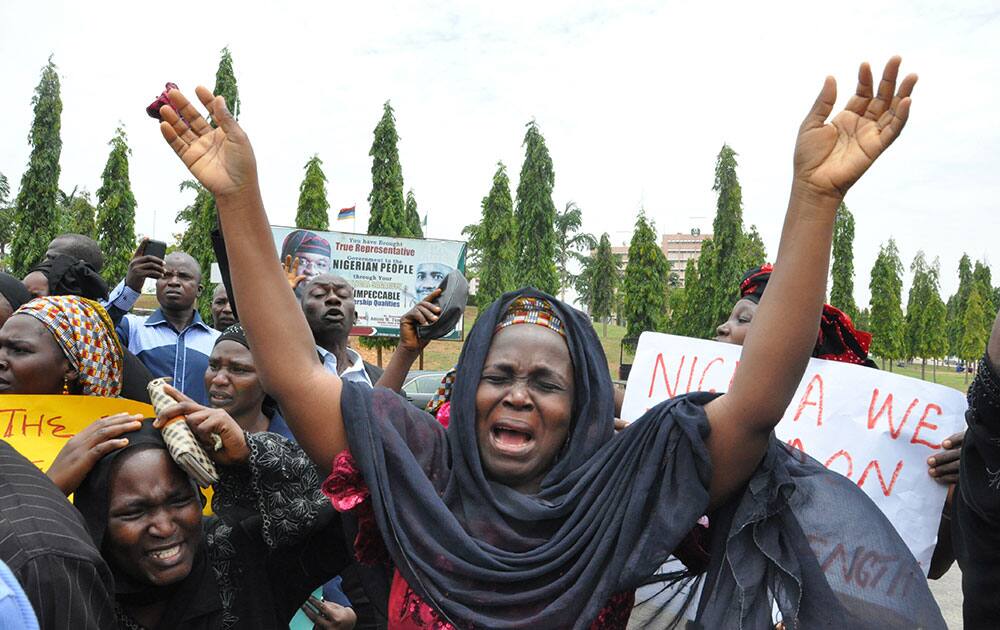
41 210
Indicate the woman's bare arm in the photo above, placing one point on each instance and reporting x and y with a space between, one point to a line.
282 344
829 159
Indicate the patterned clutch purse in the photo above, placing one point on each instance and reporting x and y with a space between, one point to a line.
181 442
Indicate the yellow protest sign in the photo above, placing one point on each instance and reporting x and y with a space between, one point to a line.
38 426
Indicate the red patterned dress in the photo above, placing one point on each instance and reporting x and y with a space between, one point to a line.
348 492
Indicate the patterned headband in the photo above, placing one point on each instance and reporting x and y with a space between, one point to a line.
86 336
529 310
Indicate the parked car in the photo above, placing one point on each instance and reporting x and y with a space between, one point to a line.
421 385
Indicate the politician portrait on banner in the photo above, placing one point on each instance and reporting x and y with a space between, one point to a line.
389 275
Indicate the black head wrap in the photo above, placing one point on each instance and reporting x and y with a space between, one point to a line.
235 333
14 290
72 276
93 500
609 511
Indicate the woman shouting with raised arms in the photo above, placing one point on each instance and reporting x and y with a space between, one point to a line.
529 509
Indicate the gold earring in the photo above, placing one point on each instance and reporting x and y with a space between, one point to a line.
65 386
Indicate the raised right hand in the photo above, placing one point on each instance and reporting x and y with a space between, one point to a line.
87 447
141 267
424 313
221 158
291 268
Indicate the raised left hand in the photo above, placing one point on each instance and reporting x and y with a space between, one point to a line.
206 422
831 157
944 465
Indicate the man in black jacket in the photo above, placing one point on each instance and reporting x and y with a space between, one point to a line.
47 547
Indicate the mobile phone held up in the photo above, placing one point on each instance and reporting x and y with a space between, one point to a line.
154 248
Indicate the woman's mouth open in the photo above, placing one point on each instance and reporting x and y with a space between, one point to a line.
511 440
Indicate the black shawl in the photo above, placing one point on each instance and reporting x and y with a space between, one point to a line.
93 499
611 510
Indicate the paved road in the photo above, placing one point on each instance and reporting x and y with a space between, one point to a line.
948 593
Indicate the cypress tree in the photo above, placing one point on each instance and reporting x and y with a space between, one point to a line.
842 270
681 320
600 278
6 219
936 329
116 211
535 217
36 208
725 257
388 211
645 282
570 243
975 333
312 212
201 215
923 289
886 307
496 241
413 226
78 214
956 304
983 278
388 216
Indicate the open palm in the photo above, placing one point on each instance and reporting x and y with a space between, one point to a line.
830 157
221 158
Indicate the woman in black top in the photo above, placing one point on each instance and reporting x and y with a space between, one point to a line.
272 541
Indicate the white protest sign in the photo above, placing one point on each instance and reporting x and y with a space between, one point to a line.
874 427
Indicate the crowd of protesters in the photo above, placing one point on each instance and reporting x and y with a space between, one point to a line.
516 499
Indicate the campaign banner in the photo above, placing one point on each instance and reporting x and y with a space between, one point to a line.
876 428
390 275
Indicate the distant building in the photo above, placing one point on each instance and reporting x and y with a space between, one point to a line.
678 248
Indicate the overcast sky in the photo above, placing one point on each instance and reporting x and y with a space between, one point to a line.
634 99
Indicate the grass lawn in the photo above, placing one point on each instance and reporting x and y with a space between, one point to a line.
441 355
946 374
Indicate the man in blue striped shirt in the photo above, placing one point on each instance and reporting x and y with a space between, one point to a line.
174 341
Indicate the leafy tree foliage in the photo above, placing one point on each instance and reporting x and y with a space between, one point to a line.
725 257
957 303
77 213
681 321
924 293
937 332
887 324
36 208
598 283
312 211
225 83
864 320
493 239
645 283
388 213
200 216
6 219
116 211
413 226
535 217
842 292
388 209
570 244
975 333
